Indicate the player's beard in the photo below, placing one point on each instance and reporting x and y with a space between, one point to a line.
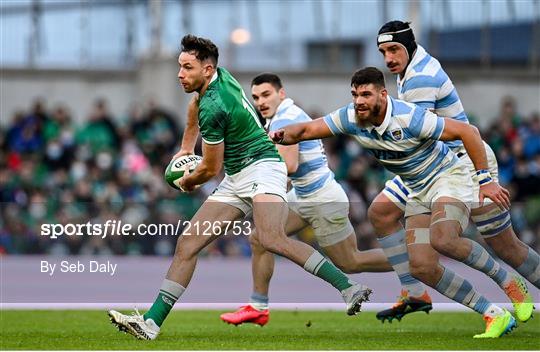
373 113
376 109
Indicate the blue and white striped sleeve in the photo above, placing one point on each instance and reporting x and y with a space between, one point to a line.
337 121
424 90
425 104
425 125
432 126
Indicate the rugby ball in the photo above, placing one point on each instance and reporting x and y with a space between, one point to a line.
175 169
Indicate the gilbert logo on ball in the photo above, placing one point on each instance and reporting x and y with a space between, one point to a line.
175 169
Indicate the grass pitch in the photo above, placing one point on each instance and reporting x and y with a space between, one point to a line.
287 330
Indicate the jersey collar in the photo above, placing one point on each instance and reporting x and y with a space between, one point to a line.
284 105
214 77
211 83
384 125
417 57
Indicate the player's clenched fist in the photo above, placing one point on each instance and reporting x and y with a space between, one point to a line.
277 136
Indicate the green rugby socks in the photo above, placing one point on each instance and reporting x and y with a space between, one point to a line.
319 266
169 293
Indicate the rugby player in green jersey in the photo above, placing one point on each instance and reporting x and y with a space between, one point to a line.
255 180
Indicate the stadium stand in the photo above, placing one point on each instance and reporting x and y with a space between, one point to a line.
110 167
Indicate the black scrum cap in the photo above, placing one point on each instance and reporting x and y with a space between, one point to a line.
400 33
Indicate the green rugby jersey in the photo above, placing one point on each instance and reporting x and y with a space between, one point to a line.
226 115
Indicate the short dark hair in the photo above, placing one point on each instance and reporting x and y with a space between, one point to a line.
204 48
368 75
267 77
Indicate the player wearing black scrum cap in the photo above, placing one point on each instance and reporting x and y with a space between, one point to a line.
421 80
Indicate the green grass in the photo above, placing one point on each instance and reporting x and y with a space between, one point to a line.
195 330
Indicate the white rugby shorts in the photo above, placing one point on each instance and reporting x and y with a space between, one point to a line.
326 211
262 177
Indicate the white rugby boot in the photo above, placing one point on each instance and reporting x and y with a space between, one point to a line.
354 296
134 324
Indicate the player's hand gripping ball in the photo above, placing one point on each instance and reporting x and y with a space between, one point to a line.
176 168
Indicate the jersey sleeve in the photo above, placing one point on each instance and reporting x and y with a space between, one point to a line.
423 90
338 121
426 125
212 123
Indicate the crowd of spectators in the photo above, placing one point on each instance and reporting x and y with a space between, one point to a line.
56 171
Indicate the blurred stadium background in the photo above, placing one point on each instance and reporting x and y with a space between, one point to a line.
91 110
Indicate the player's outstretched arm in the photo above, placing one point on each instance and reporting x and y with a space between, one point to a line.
191 132
472 141
209 167
293 134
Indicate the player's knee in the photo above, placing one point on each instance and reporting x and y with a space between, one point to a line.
443 237
272 244
381 215
255 243
253 238
274 247
443 245
186 249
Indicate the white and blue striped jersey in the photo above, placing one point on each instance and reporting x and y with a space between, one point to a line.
406 143
426 84
313 172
